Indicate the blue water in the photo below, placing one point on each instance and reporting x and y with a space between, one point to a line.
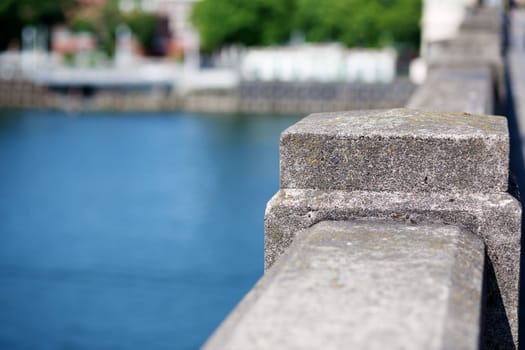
129 231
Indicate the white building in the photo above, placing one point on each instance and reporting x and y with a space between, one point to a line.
324 63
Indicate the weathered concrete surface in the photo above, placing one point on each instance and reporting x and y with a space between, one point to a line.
469 47
396 150
495 217
365 284
463 89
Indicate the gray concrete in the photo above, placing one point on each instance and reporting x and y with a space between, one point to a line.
340 166
365 284
483 19
396 150
495 217
467 89
469 47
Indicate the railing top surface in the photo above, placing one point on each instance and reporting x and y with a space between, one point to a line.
396 150
401 122
365 284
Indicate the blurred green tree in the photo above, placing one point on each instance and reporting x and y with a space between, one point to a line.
364 23
370 23
143 26
249 22
15 14
103 22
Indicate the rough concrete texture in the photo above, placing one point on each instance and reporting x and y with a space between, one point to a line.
396 150
365 284
461 89
495 217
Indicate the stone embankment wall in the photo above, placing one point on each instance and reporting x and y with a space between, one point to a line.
20 93
395 228
253 97
302 97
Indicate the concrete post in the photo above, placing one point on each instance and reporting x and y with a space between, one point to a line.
406 166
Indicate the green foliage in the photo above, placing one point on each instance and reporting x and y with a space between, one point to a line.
15 14
104 25
69 59
142 25
361 23
251 22
365 23
82 24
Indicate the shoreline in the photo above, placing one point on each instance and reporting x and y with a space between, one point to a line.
249 98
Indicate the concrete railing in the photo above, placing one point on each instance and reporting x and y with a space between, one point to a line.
393 229
365 284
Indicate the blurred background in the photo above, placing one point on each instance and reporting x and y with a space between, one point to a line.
139 146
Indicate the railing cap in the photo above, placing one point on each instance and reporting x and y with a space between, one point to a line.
396 150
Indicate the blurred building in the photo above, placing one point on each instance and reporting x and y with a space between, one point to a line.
64 41
322 63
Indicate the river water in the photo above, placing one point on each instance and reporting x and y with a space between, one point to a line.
129 230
